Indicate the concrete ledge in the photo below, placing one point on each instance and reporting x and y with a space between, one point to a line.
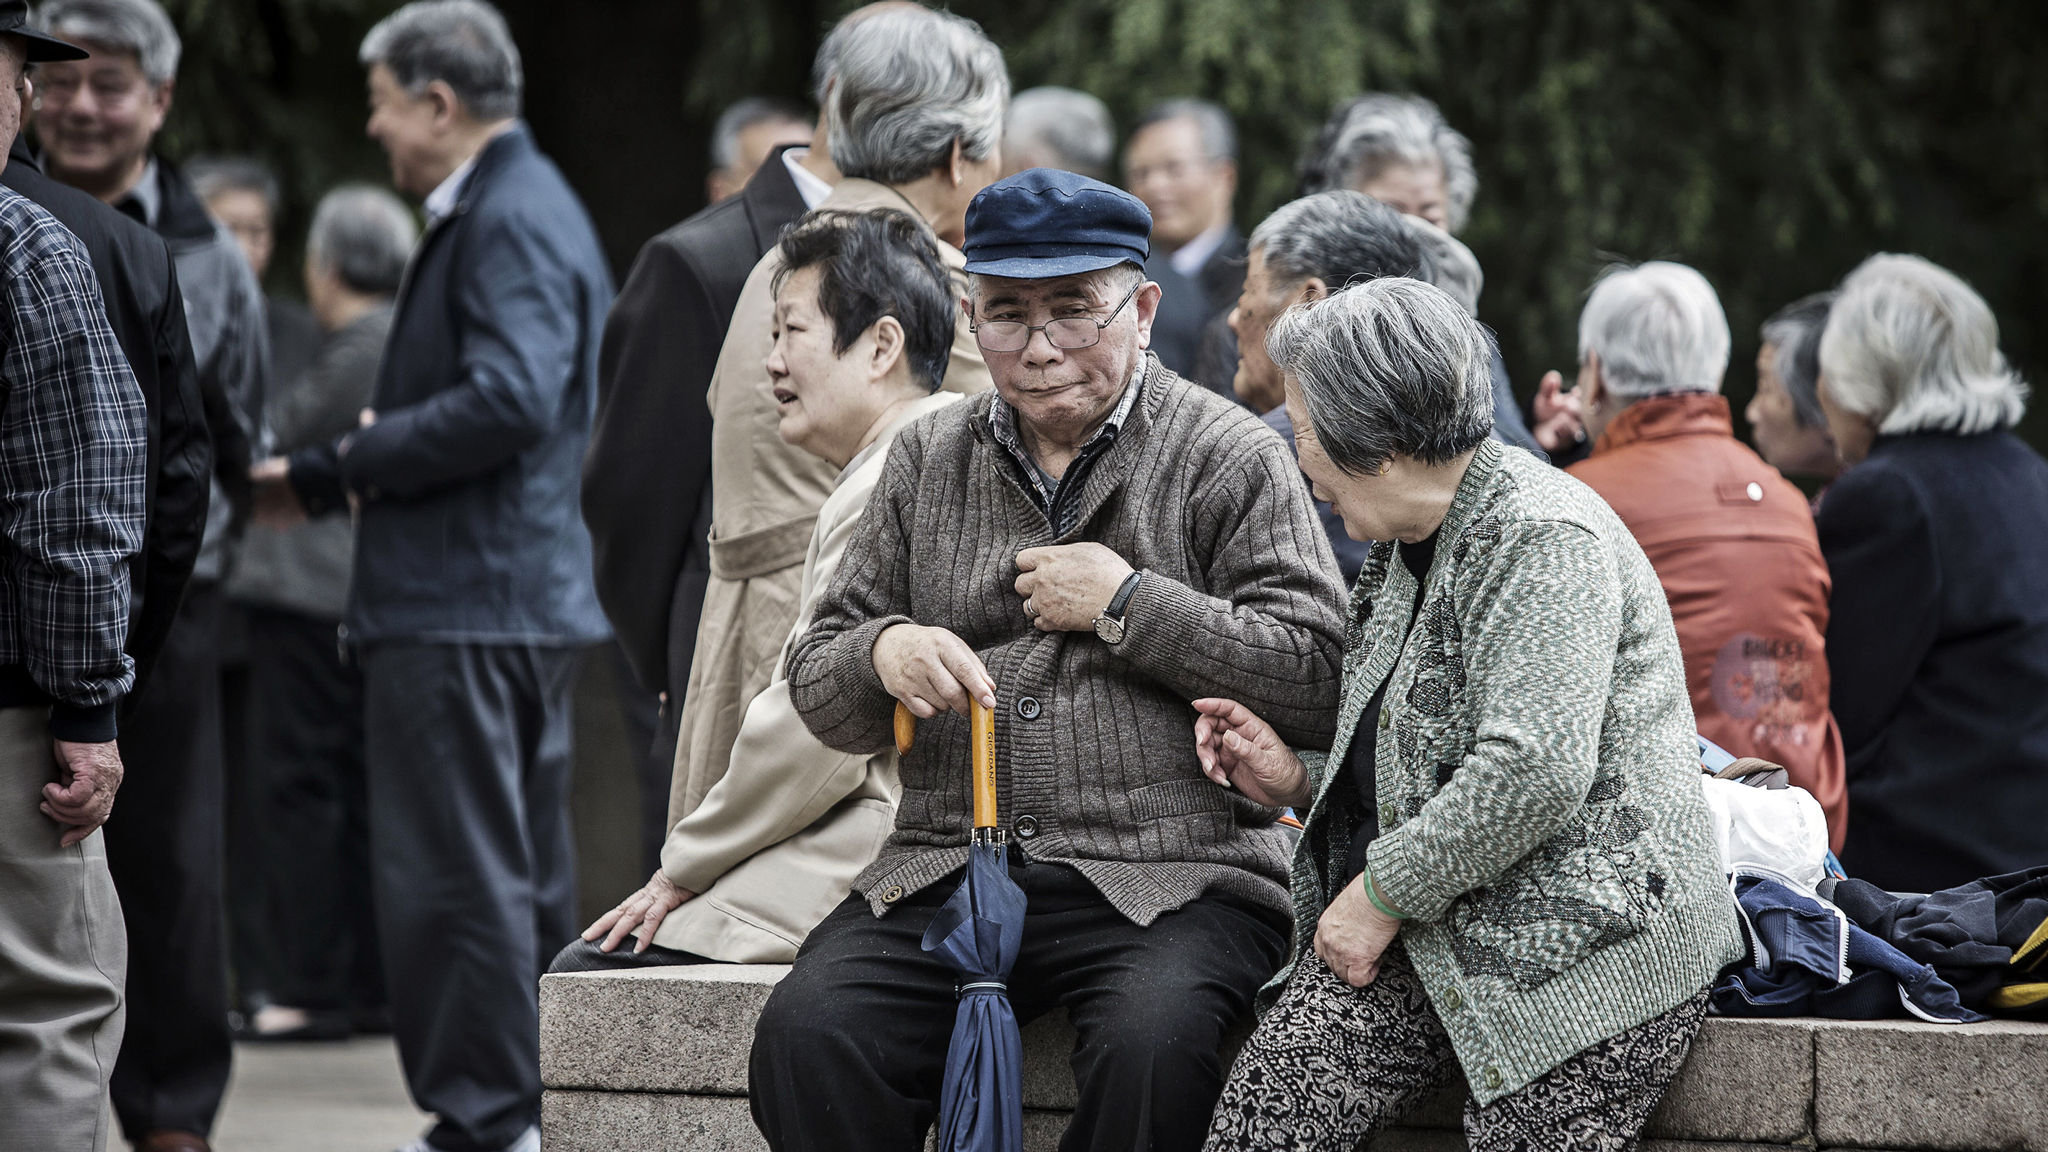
657 1059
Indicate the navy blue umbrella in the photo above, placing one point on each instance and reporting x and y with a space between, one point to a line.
979 931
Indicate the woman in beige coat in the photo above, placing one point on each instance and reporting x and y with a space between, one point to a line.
864 317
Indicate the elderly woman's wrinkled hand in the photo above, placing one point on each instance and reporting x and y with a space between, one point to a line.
931 670
1239 750
640 914
1352 935
1066 586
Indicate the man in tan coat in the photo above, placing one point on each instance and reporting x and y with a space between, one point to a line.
915 119
864 321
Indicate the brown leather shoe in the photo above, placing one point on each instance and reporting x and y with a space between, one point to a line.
166 1140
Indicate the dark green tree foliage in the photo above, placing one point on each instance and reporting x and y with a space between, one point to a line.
1772 145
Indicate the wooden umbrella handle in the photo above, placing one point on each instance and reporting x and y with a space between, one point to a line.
982 722
906 729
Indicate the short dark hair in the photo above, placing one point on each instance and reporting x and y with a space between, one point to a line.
1795 330
872 264
1212 124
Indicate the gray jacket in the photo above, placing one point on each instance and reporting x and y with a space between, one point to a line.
305 568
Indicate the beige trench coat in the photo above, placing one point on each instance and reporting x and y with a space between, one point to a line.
765 497
777 840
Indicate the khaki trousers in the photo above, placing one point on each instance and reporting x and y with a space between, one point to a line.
63 957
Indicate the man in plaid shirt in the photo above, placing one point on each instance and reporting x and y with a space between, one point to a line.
73 443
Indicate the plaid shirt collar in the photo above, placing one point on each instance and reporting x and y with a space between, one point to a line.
1002 423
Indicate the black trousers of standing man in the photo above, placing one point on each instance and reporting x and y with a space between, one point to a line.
851 1047
165 847
468 751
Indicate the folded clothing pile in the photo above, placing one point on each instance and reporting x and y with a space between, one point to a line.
1988 938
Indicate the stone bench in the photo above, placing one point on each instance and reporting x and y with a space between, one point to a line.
657 1059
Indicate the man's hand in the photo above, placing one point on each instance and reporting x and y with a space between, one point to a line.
931 670
1559 424
1239 750
1066 586
640 914
277 505
1352 935
82 797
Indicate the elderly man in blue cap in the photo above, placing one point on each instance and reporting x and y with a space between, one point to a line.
1087 549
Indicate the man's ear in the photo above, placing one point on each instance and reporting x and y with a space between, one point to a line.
887 334
446 107
956 164
1146 304
1312 289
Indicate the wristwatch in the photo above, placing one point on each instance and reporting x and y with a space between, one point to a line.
1110 625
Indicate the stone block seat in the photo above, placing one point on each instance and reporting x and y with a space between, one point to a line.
657 1059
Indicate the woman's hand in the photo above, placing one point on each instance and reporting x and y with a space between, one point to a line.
1239 750
643 910
1352 935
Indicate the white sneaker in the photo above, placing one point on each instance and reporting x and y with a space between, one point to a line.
529 1141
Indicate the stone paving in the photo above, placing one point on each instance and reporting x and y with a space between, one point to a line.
338 1097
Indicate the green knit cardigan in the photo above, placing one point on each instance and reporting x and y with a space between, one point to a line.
1540 813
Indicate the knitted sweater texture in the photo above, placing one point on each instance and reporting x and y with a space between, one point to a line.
1094 742
1540 810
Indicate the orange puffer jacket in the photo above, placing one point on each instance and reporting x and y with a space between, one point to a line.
1734 545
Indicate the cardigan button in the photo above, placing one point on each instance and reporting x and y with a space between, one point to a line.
1453 1000
1386 720
1387 816
892 894
1492 1078
1028 708
1026 827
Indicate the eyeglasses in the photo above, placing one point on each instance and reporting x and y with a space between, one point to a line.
1066 333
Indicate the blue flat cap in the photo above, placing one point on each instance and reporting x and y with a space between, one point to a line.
1043 223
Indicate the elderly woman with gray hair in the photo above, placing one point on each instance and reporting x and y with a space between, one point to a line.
1507 871
1937 537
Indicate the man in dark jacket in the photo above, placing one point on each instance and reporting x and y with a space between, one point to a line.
1182 162
139 286
97 124
647 480
472 593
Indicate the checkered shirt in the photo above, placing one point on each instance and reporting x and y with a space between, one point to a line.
73 471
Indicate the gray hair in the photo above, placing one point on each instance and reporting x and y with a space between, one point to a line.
1794 331
1336 237
1379 130
137 26
1912 348
1212 124
741 115
462 43
1071 124
1658 327
1388 367
912 81
364 235
213 175
1452 266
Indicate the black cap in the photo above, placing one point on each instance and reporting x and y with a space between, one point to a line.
41 48
1043 223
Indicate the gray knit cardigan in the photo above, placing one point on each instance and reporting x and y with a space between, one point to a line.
1239 597
1538 790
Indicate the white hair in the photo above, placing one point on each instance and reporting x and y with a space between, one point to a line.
743 114
137 26
364 235
909 83
462 43
1068 123
1912 348
1658 327
1388 367
1378 130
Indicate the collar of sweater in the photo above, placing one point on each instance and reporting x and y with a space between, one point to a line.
1471 496
1666 416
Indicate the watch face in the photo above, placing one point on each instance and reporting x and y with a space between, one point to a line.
1110 629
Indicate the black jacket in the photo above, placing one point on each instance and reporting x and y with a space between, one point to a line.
647 480
468 531
1938 651
139 288
1189 305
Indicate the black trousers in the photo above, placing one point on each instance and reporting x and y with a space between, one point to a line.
851 1047
468 750
165 847
306 734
